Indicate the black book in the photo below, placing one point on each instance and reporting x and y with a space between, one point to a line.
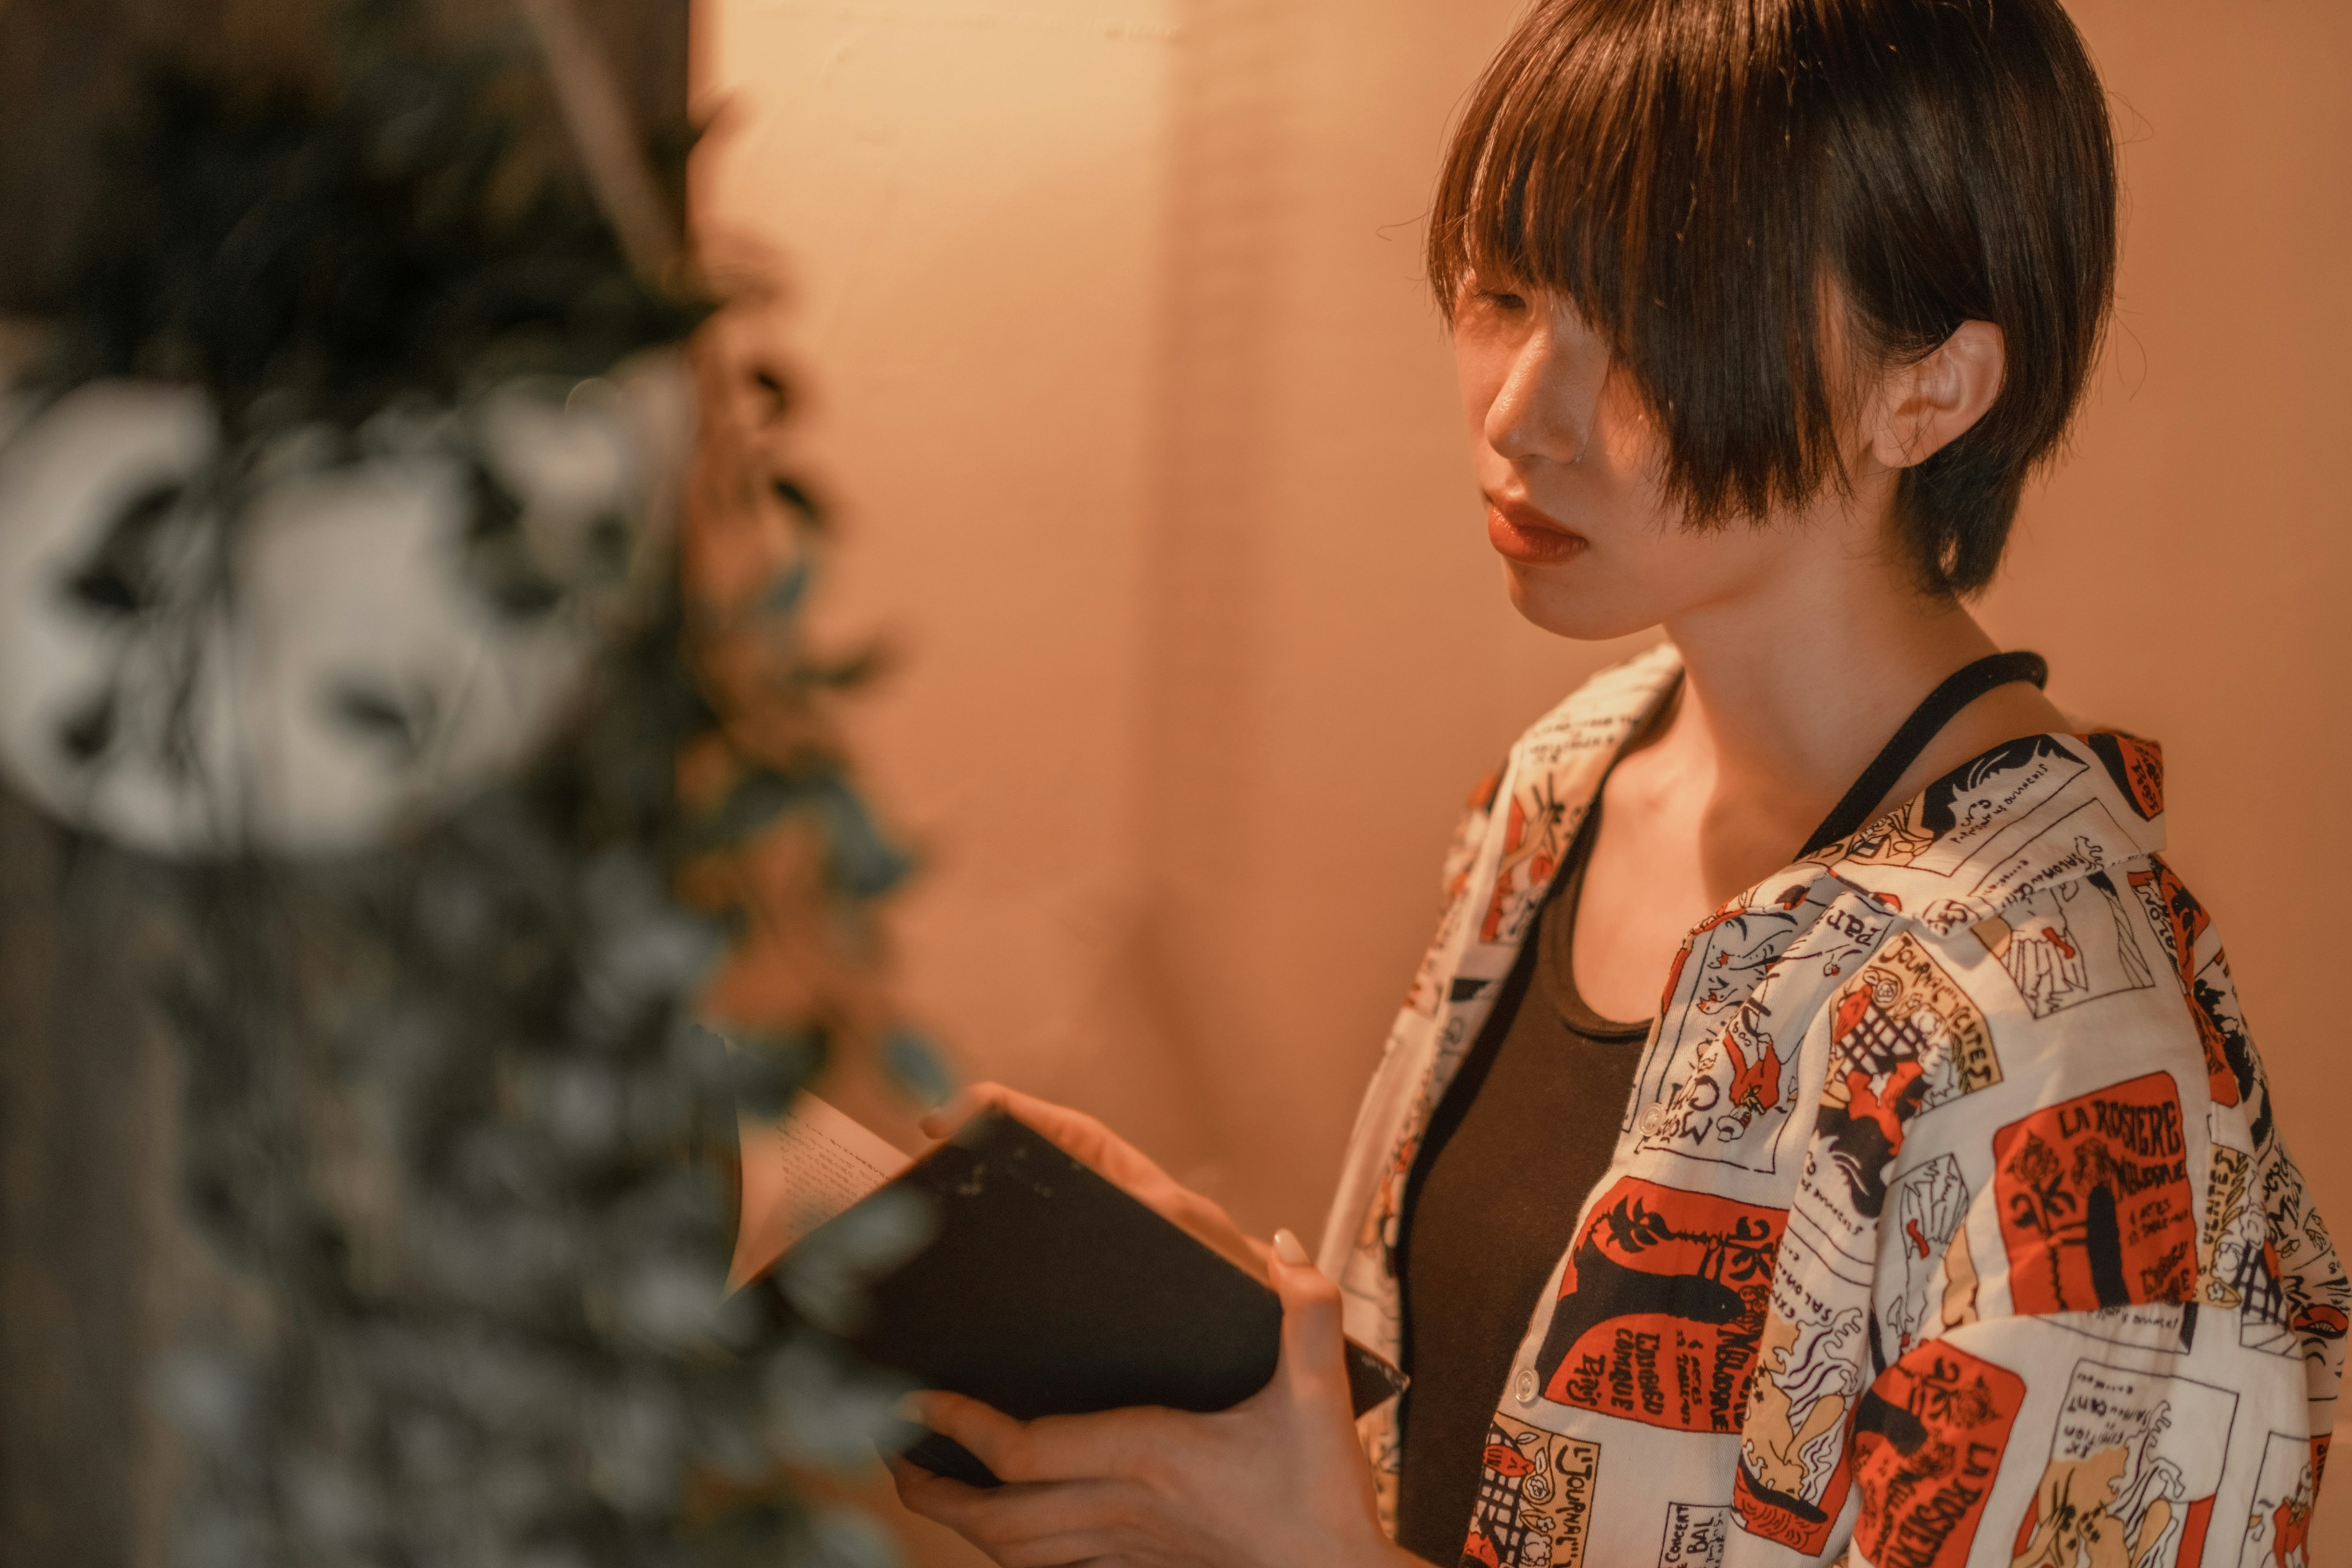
1048 1290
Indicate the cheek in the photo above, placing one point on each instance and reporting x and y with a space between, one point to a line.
1679 567
1616 499
1627 444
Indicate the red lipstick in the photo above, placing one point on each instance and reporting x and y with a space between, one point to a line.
1519 533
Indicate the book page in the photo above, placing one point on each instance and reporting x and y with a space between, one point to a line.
798 1174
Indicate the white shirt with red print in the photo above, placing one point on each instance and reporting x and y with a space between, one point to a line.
1947 1223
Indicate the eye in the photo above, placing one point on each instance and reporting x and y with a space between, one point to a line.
1494 294
1491 294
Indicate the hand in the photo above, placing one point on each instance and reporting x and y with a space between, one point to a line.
1277 1481
1092 1145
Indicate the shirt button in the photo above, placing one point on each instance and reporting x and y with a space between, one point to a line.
1526 1386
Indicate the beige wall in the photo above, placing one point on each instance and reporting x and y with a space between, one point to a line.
1146 448
2187 572
1158 513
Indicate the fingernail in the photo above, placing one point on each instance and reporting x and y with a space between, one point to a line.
912 1410
1286 1247
936 1122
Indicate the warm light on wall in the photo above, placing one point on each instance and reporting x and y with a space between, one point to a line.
1150 443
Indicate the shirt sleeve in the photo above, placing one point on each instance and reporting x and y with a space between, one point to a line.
2050 1292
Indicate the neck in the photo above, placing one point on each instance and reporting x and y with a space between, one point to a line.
1792 685
1800 696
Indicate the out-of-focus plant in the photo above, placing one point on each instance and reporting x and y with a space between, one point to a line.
370 584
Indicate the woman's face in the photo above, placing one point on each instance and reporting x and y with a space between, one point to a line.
1568 458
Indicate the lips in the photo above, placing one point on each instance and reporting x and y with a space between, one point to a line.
1519 533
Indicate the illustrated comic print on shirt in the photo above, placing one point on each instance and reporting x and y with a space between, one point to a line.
2314 1297
1977 809
1535 1493
1896 1389
2095 1200
2007 825
2168 1326
2067 944
2073 847
1378 1234
1904 1040
1792 1475
2133 1467
1534 841
2236 1264
2229 1053
1724 968
2136 765
1927 1216
1660 1306
2278 1525
2180 923
1929 1439
1736 1101
1696 1533
1726 1093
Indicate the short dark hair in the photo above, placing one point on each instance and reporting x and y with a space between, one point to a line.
1691 174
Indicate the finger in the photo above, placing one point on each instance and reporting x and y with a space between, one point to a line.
1038 1525
1075 1132
1082 1137
941 1121
1073 1550
1312 1339
995 1439
923 1491
1068 1549
1112 1443
942 1499
1091 1144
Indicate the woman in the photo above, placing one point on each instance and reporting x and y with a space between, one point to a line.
1936 1215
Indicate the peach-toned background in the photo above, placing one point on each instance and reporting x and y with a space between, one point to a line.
1144 439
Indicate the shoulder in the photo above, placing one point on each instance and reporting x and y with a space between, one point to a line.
2049 1132
2029 814
2034 1000
2021 887
2044 1238
2056 1005
2015 905
2039 961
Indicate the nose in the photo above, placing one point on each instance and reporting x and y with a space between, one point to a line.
1540 413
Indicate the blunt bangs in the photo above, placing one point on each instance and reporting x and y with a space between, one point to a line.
1702 179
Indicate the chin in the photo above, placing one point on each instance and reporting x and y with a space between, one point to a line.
1581 612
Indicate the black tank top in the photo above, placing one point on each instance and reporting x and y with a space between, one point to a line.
1524 1131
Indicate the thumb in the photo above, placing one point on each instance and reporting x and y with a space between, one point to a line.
1311 1338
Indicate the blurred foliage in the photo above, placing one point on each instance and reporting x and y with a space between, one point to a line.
447 1111
315 249
450 1121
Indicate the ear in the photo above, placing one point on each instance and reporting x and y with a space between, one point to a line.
1929 403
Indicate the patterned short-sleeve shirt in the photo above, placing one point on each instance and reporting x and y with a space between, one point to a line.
1947 1223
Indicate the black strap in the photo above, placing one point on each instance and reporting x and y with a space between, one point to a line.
1959 689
